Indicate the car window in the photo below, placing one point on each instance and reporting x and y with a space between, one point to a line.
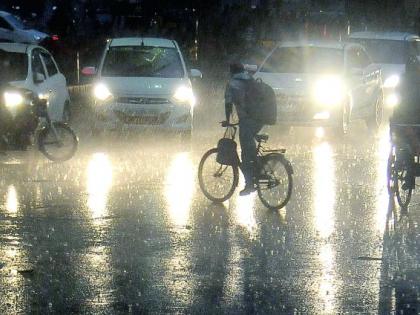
364 58
13 66
143 61
49 63
414 48
37 66
384 51
304 60
4 24
357 58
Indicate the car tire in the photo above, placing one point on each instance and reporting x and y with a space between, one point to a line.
374 121
343 121
186 136
66 118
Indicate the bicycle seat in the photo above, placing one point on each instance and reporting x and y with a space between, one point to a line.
261 137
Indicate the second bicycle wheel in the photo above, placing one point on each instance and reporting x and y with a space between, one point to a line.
275 181
403 189
217 181
58 146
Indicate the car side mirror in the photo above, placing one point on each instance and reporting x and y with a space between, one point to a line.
39 78
89 71
196 74
251 68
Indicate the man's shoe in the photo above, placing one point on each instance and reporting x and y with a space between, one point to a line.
247 190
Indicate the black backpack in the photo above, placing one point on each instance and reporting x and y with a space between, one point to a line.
260 102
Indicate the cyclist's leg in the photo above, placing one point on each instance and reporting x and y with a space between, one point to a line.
248 129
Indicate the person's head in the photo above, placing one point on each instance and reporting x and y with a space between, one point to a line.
236 67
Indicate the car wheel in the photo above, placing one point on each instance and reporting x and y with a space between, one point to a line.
186 136
374 121
343 121
66 113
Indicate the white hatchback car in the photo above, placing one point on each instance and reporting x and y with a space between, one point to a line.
389 50
13 29
143 83
33 68
320 83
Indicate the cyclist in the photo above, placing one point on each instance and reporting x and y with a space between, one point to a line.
235 95
408 111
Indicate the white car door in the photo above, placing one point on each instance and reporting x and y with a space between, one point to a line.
38 75
57 85
6 30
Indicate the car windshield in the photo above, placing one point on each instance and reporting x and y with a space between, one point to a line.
16 22
14 66
142 61
304 60
385 51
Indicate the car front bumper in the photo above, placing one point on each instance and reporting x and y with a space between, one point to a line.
305 113
164 116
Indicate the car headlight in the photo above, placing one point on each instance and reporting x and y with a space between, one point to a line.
101 92
329 91
13 99
184 94
392 81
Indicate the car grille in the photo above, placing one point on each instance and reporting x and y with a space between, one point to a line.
291 103
142 100
157 119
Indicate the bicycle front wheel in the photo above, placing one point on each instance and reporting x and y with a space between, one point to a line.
217 181
59 145
275 181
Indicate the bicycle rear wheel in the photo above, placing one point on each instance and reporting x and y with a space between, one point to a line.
217 181
403 189
275 181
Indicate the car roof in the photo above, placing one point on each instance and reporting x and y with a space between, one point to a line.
137 41
15 47
314 43
384 35
4 13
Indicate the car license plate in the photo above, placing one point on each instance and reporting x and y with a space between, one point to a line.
145 112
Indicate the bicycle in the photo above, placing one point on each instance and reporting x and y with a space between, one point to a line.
403 165
273 173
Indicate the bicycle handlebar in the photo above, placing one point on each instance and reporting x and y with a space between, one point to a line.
228 124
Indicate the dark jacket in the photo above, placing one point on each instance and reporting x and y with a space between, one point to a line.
408 109
235 94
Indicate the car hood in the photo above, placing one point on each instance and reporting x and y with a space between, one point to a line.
143 86
289 83
391 69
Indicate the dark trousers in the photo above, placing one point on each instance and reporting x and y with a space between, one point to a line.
248 129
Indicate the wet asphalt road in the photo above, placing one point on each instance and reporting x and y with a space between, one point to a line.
124 229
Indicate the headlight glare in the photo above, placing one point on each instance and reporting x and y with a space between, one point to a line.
184 95
102 92
329 91
13 99
392 81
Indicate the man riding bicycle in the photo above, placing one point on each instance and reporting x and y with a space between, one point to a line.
235 94
408 113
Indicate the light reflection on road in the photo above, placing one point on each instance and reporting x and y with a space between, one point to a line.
381 191
179 188
12 202
324 191
99 182
244 210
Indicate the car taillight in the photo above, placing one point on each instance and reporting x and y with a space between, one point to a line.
55 37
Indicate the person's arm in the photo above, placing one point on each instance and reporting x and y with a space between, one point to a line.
228 101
